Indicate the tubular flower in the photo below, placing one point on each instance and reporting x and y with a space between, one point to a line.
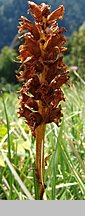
43 71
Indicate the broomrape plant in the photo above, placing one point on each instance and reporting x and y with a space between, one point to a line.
42 73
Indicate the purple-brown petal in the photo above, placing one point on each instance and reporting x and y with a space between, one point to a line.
27 25
57 14
36 10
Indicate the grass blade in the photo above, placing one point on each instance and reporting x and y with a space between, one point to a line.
8 129
70 163
14 173
82 81
9 144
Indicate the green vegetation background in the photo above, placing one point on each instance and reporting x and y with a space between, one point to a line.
64 146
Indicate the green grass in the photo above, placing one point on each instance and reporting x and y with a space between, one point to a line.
64 151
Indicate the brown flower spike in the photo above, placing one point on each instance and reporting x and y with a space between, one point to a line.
43 73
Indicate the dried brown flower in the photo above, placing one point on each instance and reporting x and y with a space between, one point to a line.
42 72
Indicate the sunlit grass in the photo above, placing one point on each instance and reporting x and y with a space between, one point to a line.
64 151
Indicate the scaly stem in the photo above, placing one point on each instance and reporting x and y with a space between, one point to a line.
40 132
